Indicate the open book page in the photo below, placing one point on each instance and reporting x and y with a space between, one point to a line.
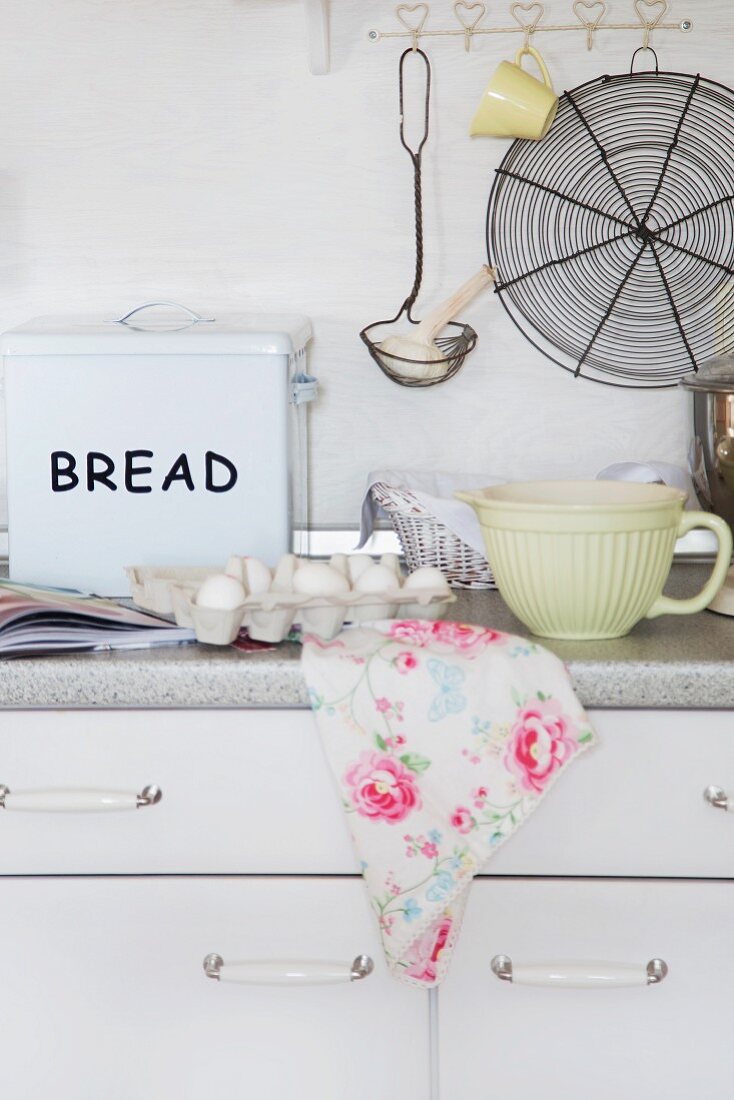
45 620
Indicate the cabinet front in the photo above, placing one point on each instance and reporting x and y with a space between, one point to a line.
250 792
242 792
106 995
578 1003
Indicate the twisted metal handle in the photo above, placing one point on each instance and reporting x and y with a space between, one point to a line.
416 156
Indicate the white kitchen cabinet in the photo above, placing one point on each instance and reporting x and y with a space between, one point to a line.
244 792
634 804
250 792
107 918
670 1040
105 995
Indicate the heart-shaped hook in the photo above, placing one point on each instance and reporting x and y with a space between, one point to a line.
644 10
591 24
529 26
464 9
416 26
461 7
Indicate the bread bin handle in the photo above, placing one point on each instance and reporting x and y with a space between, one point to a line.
195 318
665 605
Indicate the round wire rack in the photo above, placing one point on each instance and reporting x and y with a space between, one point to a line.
613 238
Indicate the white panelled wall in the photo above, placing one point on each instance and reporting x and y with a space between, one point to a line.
181 149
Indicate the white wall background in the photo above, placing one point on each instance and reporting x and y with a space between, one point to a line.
181 149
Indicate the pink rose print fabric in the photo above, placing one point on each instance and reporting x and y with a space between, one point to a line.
442 738
541 741
382 788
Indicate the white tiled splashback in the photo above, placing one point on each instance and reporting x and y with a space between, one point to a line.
182 150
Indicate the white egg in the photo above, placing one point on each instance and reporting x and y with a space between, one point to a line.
318 579
221 593
258 577
378 578
340 562
427 576
392 561
284 573
359 564
234 568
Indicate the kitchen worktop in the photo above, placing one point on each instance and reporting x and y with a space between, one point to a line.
686 661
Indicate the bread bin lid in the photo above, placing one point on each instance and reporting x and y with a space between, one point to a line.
715 376
160 328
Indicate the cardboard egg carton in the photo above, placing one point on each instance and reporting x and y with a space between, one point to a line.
270 616
151 585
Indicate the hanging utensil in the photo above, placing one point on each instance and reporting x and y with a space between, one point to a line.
431 359
418 352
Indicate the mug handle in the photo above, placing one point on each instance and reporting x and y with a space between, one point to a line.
664 605
538 60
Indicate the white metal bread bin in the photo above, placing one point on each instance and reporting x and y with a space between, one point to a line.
161 438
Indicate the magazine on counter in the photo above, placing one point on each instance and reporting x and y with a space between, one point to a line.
36 621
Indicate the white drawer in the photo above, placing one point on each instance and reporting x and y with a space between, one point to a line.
105 994
243 791
633 805
250 792
514 1041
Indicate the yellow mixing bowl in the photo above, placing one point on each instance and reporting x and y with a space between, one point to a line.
589 559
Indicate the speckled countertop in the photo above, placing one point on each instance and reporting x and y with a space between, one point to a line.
683 662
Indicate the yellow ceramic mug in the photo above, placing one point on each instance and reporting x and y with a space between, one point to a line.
589 559
515 104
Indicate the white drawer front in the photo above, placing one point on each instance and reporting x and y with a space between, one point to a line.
242 792
250 792
670 1040
634 805
105 993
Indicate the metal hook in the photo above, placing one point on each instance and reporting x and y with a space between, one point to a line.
649 25
416 29
591 25
642 49
528 28
469 28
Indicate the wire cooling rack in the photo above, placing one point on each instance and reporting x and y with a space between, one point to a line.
613 237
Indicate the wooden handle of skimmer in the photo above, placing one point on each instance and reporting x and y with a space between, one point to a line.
431 325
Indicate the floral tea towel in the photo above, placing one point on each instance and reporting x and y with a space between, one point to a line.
443 738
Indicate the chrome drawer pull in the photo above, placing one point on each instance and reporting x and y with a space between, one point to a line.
79 801
287 972
717 797
580 975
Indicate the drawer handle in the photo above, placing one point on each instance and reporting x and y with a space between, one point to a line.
80 801
580 975
717 797
286 972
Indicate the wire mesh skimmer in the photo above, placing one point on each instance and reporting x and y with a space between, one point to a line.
460 339
612 237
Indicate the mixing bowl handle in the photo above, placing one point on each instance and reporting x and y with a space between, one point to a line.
664 605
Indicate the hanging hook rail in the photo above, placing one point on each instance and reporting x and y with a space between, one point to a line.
529 28
461 10
592 25
590 18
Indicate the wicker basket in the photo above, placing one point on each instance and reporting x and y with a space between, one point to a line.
426 541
